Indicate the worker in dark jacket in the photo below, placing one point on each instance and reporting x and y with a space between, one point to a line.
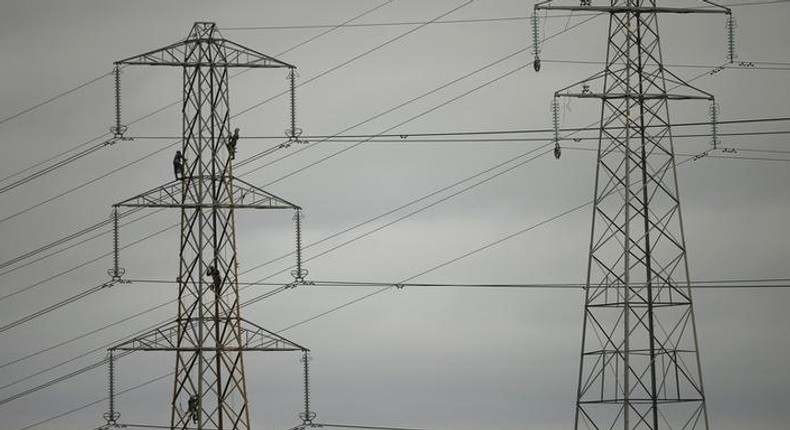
215 279
231 144
178 165
192 407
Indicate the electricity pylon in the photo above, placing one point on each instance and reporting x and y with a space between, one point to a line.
640 366
208 335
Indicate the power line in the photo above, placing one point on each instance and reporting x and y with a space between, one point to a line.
704 155
382 24
768 151
316 425
344 24
276 291
417 98
549 37
54 307
416 211
407 141
380 227
167 106
29 287
331 28
490 244
97 364
381 290
52 99
62 164
68 238
331 310
721 157
330 70
52 382
74 339
54 157
349 128
757 3
432 269
449 21
740 65
70 301
87 353
88 142
701 284
326 238
404 137
80 295
449 262
407 135
95 402
52 167
390 223
771 63
358 56
321 160
255 106
85 184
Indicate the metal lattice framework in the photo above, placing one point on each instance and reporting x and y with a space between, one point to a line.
252 338
640 366
209 336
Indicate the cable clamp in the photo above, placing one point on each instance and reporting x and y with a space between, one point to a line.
701 155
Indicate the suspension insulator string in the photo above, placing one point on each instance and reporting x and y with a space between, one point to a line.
118 129
731 26
714 124
536 39
111 415
555 118
299 273
307 416
294 132
117 272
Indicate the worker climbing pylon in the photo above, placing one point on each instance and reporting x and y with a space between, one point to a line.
216 281
192 407
231 144
178 165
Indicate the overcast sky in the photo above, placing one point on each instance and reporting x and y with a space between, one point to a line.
444 358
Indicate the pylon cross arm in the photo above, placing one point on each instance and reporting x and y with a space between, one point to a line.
647 96
251 337
234 194
548 5
178 54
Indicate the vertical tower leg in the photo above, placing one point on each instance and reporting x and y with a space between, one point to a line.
209 364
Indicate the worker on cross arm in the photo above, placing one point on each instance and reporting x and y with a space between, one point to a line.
192 407
178 165
231 144
216 281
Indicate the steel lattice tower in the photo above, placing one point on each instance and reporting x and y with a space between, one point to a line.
208 335
640 366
